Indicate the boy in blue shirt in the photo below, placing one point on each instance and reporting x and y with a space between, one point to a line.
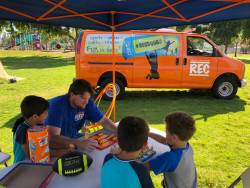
122 170
34 111
177 165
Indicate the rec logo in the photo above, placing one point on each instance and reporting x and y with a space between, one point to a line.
199 68
79 116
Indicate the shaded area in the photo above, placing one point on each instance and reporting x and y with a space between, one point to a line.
36 62
154 105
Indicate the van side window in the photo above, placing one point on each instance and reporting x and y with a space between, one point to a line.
197 46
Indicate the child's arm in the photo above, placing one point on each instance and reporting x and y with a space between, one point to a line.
21 138
26 150
115 150
58 152
147 165
157 137
166 162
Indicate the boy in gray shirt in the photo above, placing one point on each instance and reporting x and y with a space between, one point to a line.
177 165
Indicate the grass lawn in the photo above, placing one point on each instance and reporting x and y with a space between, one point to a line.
221 143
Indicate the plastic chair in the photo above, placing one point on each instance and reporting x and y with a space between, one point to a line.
4 157
244 177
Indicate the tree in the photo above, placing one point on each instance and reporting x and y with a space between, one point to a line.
245 35
225 32
245 29
181 28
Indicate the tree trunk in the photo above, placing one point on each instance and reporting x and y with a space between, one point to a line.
74 47
226 46
236 48
74 38
77 32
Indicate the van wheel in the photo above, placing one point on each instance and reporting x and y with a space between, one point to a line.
108 95
225 87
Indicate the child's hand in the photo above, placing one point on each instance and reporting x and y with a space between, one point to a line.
72 147
88 145
115 150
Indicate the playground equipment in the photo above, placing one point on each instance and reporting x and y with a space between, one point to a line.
28 42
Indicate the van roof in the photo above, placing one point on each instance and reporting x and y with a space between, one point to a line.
162 30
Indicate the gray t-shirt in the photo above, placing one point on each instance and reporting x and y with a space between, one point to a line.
178 168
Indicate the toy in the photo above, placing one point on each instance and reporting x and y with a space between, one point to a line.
93 128
104 140
72 164
146 154
97 133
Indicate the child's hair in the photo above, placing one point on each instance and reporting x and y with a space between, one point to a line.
32 105
181 124
17 123
80 86
132 133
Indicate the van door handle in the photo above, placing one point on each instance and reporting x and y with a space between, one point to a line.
177 61
185 61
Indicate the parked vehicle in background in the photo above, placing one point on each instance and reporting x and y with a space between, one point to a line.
157 59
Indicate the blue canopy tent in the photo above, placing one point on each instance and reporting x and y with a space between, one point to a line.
119 15
128 14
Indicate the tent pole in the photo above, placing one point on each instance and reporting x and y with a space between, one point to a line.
113 66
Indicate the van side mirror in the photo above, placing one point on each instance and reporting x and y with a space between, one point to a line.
216 53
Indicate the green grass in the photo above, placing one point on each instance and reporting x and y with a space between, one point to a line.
221 143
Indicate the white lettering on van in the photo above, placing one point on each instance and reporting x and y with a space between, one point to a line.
199 68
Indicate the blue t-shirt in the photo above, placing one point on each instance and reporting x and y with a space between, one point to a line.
178 168
20 138
62 115
124 174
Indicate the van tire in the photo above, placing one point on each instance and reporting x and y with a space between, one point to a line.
120 89
225 87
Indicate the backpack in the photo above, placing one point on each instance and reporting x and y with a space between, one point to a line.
17 123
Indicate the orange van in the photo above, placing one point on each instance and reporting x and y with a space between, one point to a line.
157 59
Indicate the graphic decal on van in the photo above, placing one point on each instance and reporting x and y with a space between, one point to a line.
152 59
137 45
132 45
102 43
199 68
